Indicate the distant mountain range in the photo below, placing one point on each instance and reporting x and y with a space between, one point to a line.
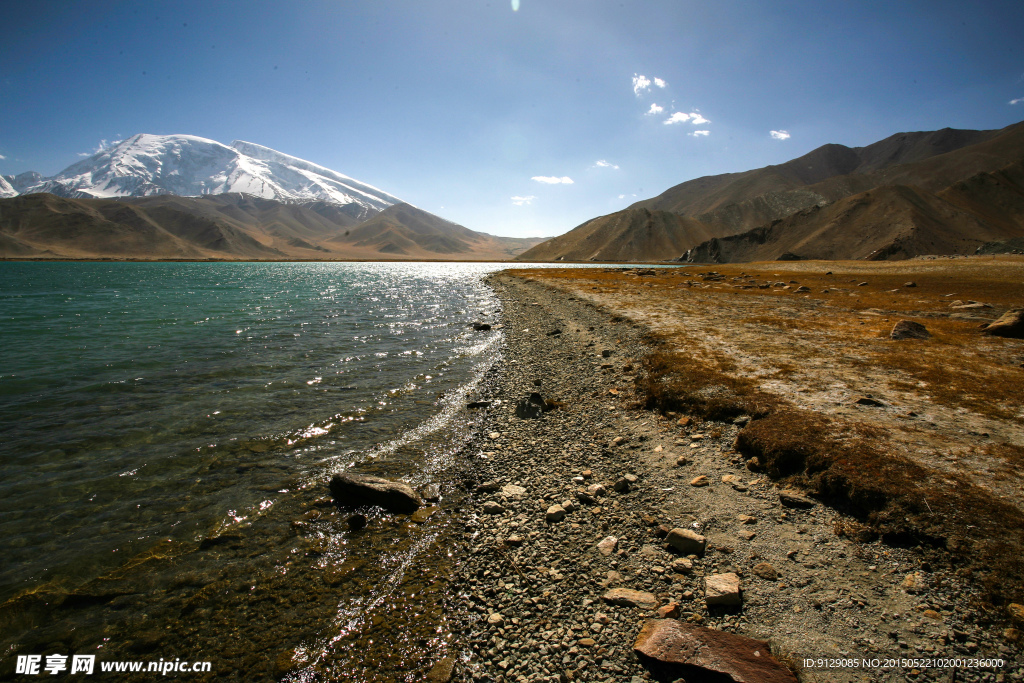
181 196
941 192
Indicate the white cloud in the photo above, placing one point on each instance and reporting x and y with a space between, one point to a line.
640 83
660 83
696 133
601 163
697 119
655 109
1019 100
103 146
780 134
552 180
678 117
622 196
2 156
519 201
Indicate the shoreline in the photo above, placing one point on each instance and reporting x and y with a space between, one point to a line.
531 591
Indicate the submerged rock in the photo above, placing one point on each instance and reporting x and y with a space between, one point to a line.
354 490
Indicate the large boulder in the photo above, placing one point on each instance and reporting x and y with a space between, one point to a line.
1010 324
354 490
696 653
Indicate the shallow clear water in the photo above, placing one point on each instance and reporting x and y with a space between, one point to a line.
127 390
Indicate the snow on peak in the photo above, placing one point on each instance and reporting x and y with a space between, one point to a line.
189 165
6 189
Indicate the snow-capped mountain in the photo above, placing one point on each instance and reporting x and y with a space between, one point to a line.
186 165
6 189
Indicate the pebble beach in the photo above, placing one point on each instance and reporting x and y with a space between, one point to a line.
573 512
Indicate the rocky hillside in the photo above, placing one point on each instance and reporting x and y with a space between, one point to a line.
732 204
887 222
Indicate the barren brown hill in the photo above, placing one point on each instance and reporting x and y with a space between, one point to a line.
404 231
630 235
232 226
886 223
731 204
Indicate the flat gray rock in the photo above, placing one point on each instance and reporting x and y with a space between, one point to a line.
354 490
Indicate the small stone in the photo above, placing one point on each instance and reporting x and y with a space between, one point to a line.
568 506
423 514
511 490
621 485
747 519
869 401
597 490
442 671
587 474
700 480
555 513
686 541
681 460
618 441
795 499
494 435
683 422
495 619
493 508
1016 611
910 284
746 535
586 642
914 582
608 546
722 589
932 614
682 565
765 571
730 479
625 597
585 498
669 611
514 541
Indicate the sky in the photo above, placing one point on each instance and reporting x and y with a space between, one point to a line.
522 118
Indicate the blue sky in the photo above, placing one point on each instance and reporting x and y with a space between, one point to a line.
460 107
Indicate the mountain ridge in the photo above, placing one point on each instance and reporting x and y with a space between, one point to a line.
717 207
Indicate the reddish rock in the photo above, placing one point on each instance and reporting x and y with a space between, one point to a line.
697 653
669 611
